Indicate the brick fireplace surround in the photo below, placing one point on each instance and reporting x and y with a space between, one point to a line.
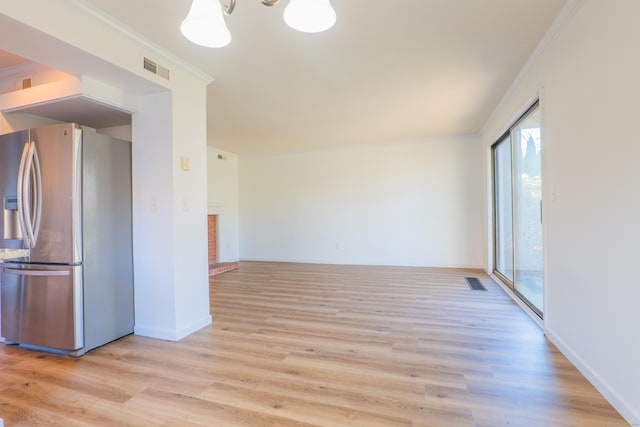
216 267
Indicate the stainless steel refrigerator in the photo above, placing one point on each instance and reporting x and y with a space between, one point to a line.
66 194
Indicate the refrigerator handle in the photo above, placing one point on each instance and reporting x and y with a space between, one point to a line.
36 272
20 196
27 198
37 214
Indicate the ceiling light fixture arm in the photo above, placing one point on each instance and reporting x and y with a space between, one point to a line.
228 10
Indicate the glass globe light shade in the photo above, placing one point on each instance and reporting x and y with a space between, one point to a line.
204 25
310 16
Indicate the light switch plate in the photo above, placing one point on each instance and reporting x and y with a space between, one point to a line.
185 163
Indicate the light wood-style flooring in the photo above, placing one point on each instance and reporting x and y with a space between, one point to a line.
319 345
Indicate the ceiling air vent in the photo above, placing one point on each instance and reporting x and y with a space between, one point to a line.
156 68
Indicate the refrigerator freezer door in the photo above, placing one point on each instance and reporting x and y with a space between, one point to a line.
59 239
42 305
11 146
107 236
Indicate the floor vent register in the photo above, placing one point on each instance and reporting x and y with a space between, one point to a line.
475 284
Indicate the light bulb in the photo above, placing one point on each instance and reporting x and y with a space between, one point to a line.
310 16
204 25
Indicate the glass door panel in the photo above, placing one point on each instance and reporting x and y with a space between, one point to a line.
527 208
503 209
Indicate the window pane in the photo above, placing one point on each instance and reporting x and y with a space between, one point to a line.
503 209
527 208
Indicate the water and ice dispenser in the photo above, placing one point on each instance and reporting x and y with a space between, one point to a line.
11 222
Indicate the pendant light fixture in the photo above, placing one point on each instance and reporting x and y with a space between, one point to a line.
204 25
310 16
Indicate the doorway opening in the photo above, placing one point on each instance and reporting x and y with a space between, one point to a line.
215 266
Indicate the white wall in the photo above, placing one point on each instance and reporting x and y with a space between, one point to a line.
153 218
222 191
190 253
121 132
588 78
416 203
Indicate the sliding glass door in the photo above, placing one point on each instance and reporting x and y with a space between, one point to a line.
518 209
503 209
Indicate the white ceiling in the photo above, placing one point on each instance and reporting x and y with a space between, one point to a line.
387 71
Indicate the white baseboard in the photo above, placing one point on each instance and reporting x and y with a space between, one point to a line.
206 321
172 334
619 403
371 264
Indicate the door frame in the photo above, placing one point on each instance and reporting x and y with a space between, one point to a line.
494 217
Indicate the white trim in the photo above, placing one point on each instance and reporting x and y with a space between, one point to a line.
172 334
332 262
206 321
157 333
567 12
515 118
546 200
617 401
156 50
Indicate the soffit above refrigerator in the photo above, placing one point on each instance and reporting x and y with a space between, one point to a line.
83 110
82 100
